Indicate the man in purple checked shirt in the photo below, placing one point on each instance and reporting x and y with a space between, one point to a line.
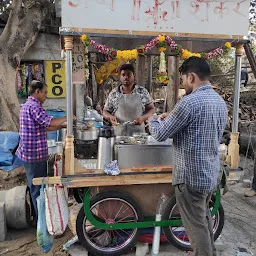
34 124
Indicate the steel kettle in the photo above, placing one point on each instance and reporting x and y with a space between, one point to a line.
105 146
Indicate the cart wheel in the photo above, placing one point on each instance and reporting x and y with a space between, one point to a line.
78 194
110 207
177 236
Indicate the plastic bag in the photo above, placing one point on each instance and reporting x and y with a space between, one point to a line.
57 212
112 168
44 239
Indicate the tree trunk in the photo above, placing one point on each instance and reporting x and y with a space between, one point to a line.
9 104
19 34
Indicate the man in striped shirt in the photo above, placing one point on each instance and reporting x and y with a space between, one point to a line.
196 125
33 149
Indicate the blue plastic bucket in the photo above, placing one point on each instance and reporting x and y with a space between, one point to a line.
55 135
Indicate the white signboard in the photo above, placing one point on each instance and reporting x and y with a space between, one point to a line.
78 63
185 18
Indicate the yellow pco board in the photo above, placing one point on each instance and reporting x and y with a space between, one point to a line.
55 78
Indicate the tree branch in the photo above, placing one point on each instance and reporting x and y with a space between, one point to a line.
13 20
22 27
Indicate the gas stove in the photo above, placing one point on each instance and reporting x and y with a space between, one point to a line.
86 149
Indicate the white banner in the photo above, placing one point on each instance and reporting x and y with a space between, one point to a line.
198 18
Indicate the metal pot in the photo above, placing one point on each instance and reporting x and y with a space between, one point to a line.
63 134
90 134
56 149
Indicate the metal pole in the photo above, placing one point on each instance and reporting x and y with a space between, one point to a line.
69 91
233 147
236 93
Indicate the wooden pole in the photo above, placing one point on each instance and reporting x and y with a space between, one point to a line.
233 148
172 88
140 70
251 58
101 95
176 79
69 145
93 57
149 76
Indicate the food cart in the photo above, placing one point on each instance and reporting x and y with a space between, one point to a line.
116 208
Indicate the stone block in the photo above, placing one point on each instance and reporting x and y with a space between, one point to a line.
141 249
220 246
235 175
247 183
77 250
3 227
2 196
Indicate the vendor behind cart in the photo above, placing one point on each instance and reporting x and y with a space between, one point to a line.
34 122
129 105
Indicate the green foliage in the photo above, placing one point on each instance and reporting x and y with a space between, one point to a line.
223 64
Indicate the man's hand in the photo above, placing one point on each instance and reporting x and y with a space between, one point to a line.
74 118
163 116
64 125
113 120
138 121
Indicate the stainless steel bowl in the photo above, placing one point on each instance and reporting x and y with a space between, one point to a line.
125 140
90 134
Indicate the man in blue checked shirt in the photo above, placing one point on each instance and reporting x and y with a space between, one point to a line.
196 125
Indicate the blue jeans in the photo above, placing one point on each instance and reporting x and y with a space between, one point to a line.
35 170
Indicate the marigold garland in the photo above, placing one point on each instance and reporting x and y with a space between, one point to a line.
161 45
162 75
161 42
227 45
86 42
86 63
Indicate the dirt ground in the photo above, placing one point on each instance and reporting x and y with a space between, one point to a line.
238 235
23 243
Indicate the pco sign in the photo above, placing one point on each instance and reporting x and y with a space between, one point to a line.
55 78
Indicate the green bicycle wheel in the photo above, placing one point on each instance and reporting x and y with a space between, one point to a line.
109 207
177 236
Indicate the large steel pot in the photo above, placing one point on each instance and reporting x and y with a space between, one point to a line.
56 149
90 134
